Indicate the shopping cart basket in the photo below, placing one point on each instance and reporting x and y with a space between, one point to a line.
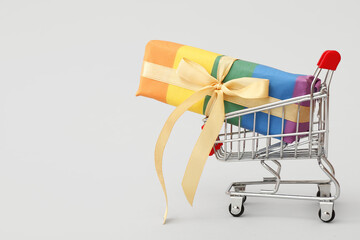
240 144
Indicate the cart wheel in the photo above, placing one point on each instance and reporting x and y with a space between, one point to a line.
318 194
327 221
234 211
244 199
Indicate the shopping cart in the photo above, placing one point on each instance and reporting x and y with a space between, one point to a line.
236 143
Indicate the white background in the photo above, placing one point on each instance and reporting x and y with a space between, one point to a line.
76 145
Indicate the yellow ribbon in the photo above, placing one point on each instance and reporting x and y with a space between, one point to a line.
191 72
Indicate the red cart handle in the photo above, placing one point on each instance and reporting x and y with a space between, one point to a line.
329 60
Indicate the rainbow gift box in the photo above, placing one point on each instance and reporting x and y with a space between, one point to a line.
162 59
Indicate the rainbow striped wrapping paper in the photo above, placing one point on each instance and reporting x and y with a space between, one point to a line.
282 85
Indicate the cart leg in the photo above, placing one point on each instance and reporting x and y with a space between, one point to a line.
329 174
276 173
324 190
241 188
326 212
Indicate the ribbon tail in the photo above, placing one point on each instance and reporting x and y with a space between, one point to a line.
165 133
202 148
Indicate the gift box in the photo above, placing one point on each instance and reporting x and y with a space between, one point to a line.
158 81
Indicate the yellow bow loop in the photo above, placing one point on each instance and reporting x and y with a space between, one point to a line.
194 73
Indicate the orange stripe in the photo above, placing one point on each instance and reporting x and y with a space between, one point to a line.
162 53
152 89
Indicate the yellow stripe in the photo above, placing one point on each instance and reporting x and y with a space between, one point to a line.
200 56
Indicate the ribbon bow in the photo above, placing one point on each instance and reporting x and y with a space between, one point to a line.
194 73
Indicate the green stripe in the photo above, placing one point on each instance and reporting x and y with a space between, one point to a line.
239 69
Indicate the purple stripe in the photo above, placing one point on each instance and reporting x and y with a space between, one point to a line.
290 127
302 87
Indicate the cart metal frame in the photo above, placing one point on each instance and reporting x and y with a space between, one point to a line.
239 144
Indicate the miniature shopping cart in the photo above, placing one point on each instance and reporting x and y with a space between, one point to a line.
240 144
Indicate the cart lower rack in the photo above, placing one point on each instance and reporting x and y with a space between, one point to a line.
239 144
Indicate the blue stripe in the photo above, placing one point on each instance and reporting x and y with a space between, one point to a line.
281 84
247 121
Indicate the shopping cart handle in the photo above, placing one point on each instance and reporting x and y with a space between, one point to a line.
329 60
